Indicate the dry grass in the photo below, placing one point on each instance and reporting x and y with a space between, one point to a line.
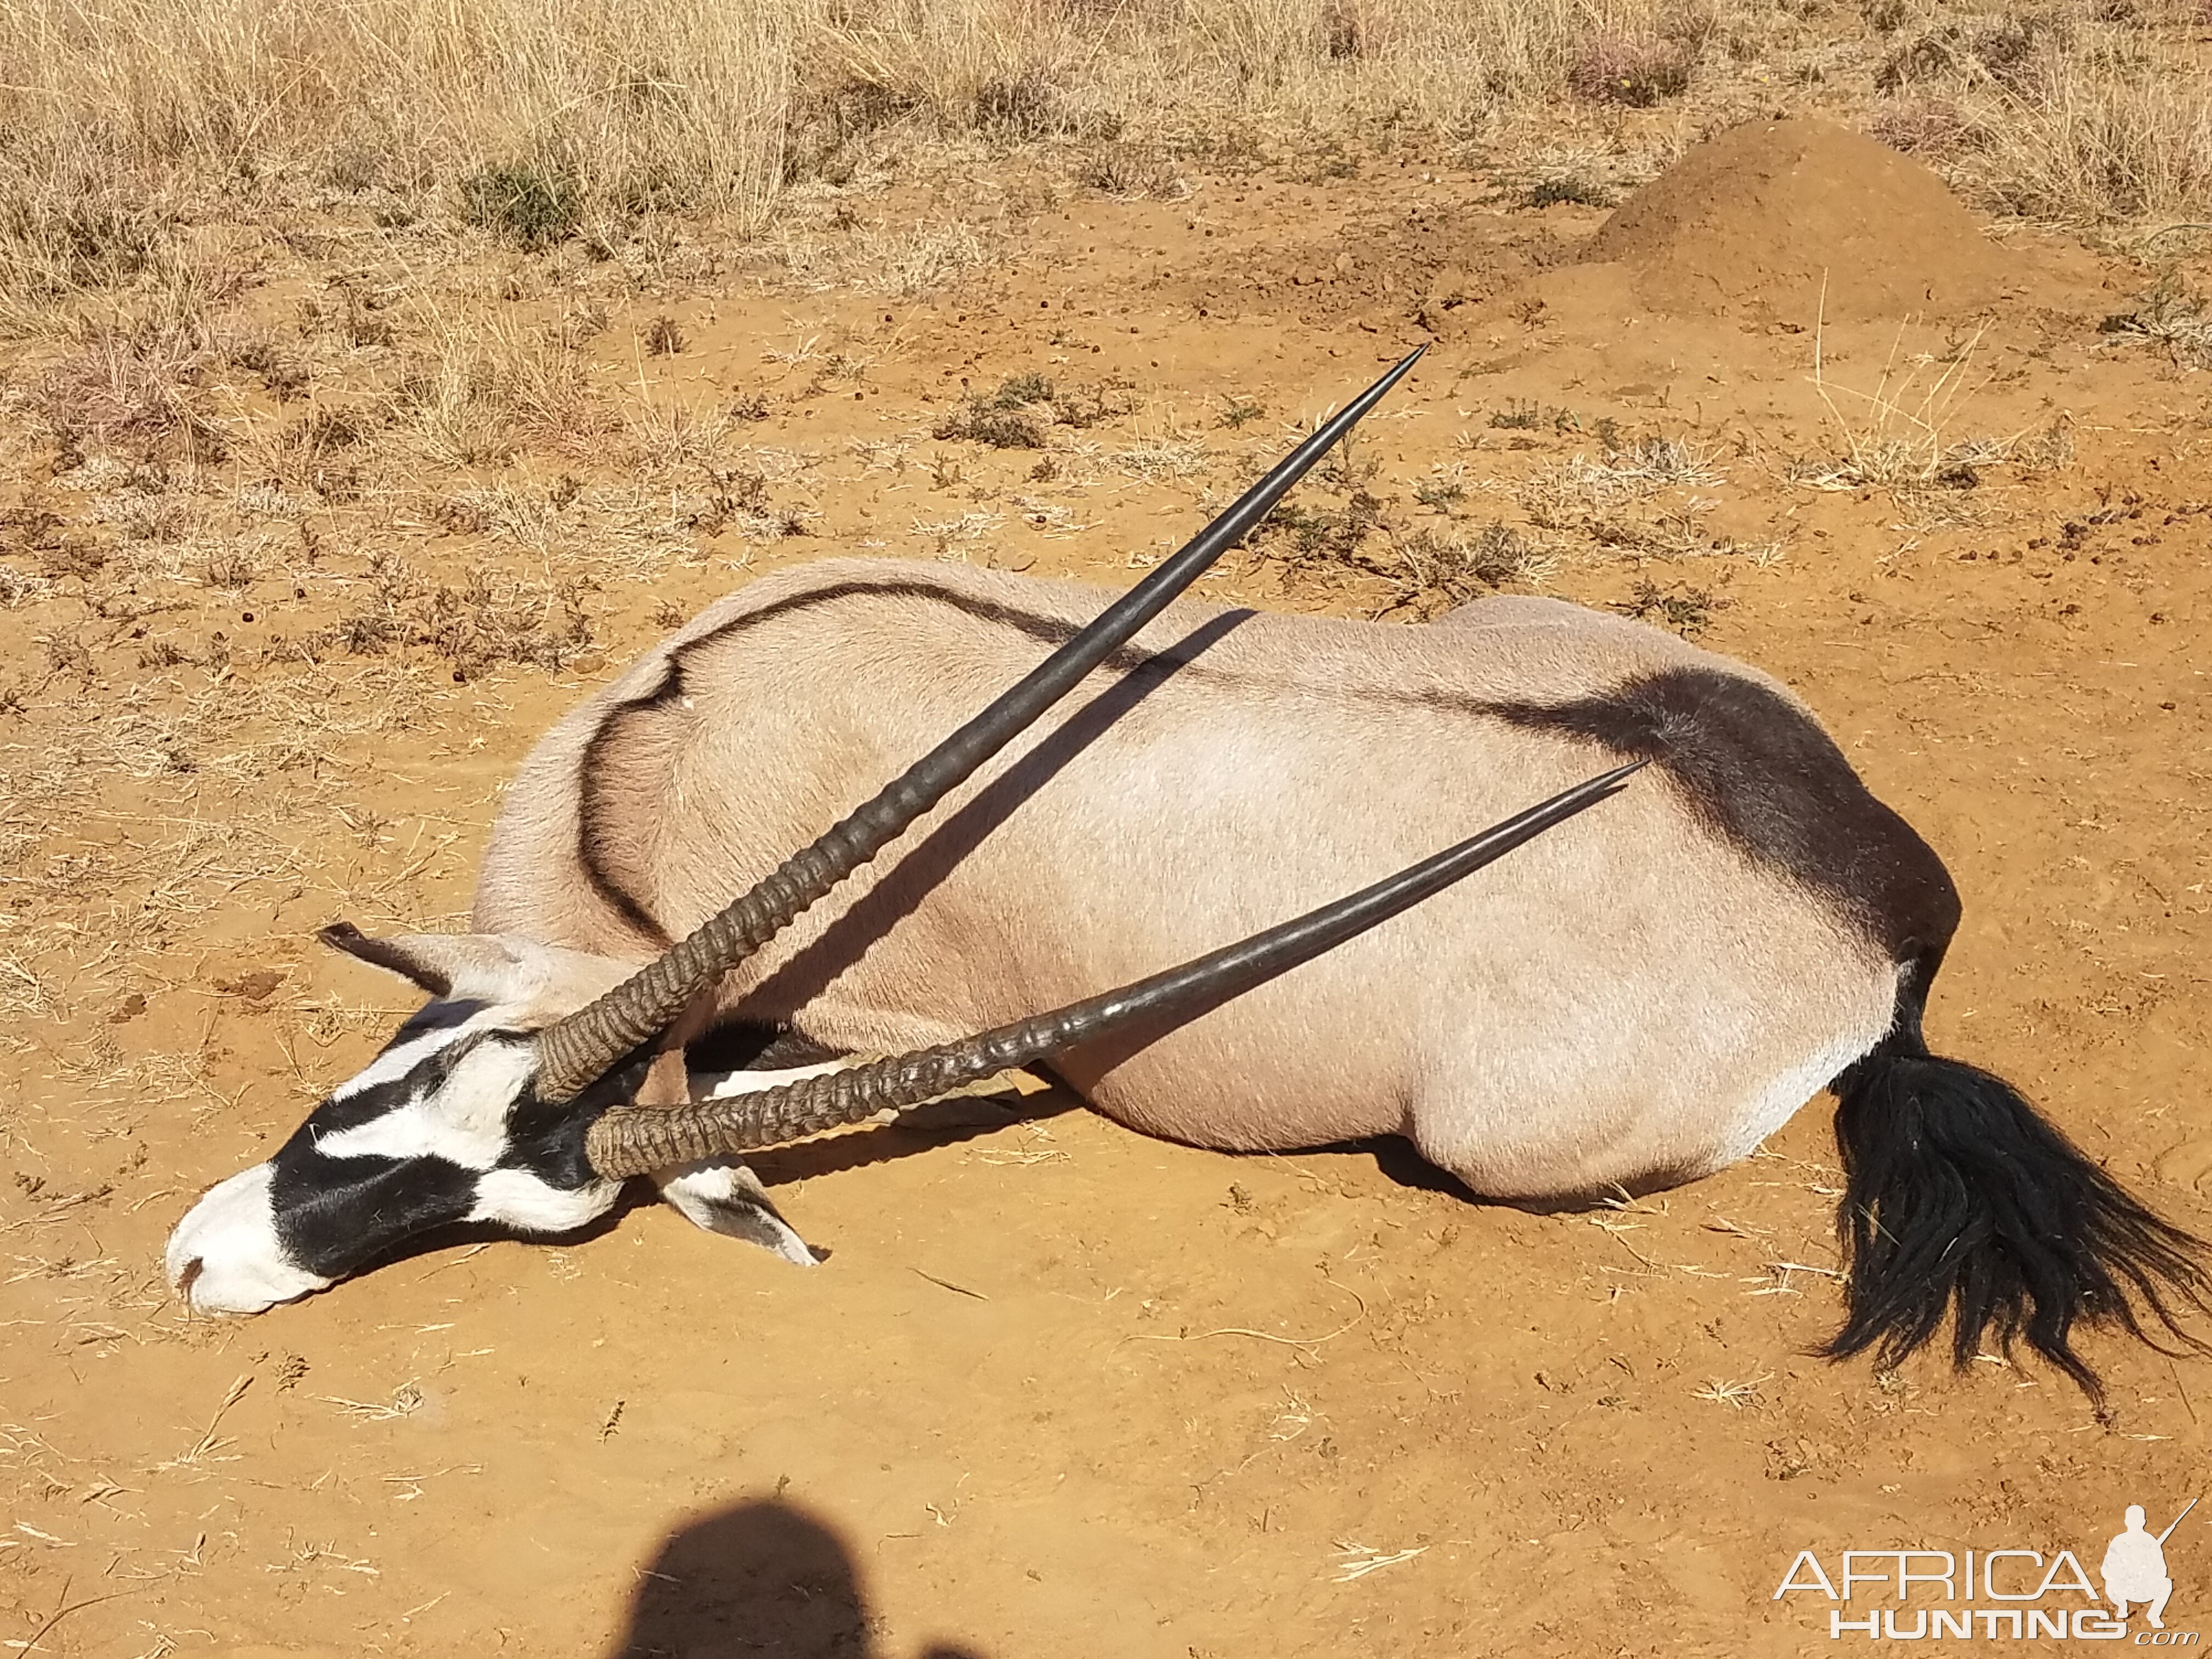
2082 116
1611 504
130 136
2171 317
536 123
1437 569
1900 433
681 104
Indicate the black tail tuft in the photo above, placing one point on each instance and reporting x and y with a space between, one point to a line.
1960 1198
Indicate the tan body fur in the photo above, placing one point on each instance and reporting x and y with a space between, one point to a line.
1629 998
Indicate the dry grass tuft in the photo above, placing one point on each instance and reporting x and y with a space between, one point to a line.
1894 434
2172 318
1613 68
1133 171
140 393
1722 1391
1438 569
1568 495
478 391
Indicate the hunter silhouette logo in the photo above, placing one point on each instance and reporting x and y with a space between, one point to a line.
1908 1594
2134 1567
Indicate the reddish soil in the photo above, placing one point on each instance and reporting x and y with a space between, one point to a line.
1062 1389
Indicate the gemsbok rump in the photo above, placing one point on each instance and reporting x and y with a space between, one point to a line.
1632 999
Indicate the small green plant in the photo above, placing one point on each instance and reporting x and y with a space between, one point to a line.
994 428
532 203
1025 107
1686 609
663 338
1132 171
1318 536
1517 416
1023 409
1581 193
1239 413
1348 468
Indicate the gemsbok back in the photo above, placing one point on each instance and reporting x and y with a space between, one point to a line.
1633 999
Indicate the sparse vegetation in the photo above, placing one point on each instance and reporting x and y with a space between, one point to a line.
1021 412
1894 434
562 123
1559 496
2171 317
1614 68
1521 417
486 621
1571 188
1131 170
1685 609
535 204
1437 570
1305 536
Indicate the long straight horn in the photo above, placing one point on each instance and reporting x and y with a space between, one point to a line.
632 1140
579 1049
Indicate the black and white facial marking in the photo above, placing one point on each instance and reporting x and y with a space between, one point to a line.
440 1127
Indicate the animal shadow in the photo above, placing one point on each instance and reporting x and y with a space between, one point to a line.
761 1578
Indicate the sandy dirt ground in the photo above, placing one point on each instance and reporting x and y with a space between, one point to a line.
1062 1389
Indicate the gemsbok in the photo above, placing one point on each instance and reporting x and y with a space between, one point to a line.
1633 999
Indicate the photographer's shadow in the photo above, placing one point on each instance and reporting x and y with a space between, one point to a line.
762 1577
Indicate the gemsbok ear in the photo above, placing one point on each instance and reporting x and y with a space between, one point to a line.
499 967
